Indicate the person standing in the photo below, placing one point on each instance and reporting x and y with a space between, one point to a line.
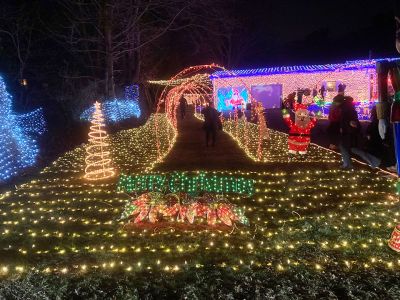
374 147
334 117
349 131
182 106
211 123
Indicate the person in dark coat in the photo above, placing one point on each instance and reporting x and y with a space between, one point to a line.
182 106
374 148
349 131
211 123
388 153
335 110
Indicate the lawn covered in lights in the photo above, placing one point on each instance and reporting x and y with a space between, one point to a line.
316 221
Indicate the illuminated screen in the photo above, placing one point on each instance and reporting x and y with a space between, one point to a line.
230 97
268 94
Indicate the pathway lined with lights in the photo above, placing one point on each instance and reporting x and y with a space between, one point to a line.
190 152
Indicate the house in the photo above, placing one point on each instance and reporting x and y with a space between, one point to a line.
233 88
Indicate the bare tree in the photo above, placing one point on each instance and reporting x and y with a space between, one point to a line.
17 26
219 32
109 36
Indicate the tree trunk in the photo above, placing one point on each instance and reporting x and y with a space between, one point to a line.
136 76
109 74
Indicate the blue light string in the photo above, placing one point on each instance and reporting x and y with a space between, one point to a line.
348 65
18 149
117 110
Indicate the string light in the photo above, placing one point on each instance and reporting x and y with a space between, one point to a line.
359 76
348 65
182 207
190 81
204 78
185 182
33 122
18 149
60 224
98 157
117 110
340 200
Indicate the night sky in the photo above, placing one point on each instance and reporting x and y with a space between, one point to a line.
292 20
297 32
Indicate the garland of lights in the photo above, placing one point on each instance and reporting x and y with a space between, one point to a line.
204 78
18 148
181 207
184 182
98 161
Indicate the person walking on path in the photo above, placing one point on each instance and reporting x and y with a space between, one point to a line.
349 131
334 117
377 152
182 106
211 123
374 146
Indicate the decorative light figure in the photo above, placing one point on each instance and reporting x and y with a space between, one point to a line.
98 161
18 149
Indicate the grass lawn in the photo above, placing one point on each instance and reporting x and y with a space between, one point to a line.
315 231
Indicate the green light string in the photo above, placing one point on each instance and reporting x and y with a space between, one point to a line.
185 182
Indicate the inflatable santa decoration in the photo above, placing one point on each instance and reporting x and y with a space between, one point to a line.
299 130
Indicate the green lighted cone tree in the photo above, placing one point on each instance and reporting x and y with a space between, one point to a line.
98 161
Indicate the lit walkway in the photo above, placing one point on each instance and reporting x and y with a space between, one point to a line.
190 151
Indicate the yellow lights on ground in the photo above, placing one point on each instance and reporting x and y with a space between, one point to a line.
67 225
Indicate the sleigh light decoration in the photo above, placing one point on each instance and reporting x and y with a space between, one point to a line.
154 206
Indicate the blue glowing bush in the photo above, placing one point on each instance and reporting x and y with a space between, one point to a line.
117 110
18 147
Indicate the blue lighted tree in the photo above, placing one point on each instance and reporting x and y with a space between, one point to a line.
18 148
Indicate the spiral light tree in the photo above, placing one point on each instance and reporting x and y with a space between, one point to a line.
98 161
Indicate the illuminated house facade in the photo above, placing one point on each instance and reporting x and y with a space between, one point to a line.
271 85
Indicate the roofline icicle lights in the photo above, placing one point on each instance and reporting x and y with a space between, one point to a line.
348 65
